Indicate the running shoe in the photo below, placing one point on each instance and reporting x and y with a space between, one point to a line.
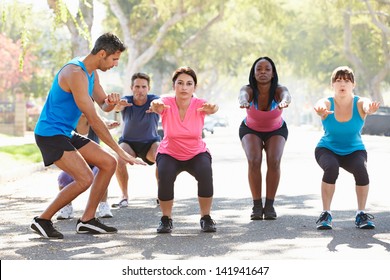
93 226
121 204
165 225
324 221
66 212
269 213
363 221
257 212
104 210
45 228
207 224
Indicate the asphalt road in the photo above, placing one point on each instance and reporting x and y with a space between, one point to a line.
292 237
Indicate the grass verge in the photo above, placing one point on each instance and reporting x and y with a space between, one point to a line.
27 152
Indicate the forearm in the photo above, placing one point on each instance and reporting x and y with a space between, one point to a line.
103 133
285 96
106 106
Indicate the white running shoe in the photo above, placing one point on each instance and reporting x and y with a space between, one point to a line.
66 212
104 210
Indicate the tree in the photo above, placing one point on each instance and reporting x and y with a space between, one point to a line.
79 25
11 74
146 25
335 33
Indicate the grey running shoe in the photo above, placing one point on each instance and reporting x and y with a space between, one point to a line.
45 228
165 225
122 204
207 224
257 213
269 213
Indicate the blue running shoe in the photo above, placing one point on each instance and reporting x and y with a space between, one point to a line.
324 221
363 221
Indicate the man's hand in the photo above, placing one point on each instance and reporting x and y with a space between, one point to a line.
112 99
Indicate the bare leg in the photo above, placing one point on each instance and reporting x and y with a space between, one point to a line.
274 150
205 205
106 163
327 192
73 164
362 194
121 171
166 207
253 146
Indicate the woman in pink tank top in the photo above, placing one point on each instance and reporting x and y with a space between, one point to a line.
263 129
182 148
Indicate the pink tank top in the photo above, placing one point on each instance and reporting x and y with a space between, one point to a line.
264 121
182 139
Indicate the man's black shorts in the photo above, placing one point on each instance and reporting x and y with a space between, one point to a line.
53 147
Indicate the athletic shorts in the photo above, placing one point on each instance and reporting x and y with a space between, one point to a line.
141 149
53 147
282 131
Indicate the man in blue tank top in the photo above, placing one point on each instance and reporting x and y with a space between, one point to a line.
139 136
74 89
341 145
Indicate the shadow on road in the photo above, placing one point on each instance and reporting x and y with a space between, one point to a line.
292 235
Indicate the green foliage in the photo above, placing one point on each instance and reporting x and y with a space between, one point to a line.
28 152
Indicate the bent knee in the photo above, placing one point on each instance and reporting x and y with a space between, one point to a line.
84 180
108 164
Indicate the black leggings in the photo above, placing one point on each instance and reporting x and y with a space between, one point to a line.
355 163
169 168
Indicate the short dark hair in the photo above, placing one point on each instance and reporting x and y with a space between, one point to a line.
108 42
184 70
140 76
253 82
342 72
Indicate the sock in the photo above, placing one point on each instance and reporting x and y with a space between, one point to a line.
269 202
258 202
359 211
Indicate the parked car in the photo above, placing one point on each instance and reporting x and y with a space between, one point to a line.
378 123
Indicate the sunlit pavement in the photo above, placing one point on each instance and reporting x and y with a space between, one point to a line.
292 236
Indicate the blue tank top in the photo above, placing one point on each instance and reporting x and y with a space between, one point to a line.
140 126
60 113
343 138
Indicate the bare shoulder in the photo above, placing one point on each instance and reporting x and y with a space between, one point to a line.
71 76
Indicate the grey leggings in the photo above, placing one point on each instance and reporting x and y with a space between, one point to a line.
355 163
169 168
